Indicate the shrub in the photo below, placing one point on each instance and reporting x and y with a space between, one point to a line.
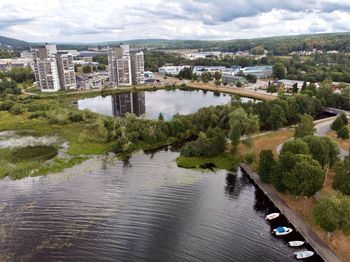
75 117
6 105
38 115
343 133
17 109
337 124
249 157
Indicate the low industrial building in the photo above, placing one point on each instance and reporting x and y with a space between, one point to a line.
171 70
258 71
9 63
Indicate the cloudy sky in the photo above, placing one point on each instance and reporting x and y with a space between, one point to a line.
107 20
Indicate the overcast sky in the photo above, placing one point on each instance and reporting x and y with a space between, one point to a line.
109 20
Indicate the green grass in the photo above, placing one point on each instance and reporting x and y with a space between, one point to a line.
33 153
36 168
223 161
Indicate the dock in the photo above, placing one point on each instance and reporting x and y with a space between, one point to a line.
315 241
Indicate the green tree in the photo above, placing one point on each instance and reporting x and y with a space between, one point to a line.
343 133
251 78
295 88
337 124
304 86
238 84
86 69
306 178
277 118
266 165
279 70
241 124
160 117
341 179
217 75
296 146
326 215
305 127
344 118
185 73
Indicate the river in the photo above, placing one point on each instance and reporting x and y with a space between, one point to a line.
147 209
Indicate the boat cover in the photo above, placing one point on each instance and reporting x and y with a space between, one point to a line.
280 229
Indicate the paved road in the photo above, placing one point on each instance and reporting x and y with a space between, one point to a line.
322 128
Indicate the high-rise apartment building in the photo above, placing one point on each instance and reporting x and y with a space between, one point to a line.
137 67
66 71
126 67
53 70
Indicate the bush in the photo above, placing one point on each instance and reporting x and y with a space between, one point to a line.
343 133
38 115
249 157
207 145
251 78
6 105
75 117
337 124
17 109
344 118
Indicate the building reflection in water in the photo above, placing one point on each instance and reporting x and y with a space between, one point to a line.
129 103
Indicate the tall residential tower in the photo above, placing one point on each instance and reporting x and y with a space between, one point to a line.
53 70
126 66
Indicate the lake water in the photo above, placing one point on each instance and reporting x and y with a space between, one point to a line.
145 210
151 103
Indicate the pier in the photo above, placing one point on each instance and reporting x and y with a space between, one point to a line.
317 243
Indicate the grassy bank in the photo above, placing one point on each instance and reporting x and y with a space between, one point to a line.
223 161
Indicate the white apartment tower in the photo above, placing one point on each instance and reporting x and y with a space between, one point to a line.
45 68
126 67
137 67
53 70
66 71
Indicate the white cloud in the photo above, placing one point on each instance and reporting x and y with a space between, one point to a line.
104 20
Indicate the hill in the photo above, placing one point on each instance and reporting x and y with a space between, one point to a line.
11 43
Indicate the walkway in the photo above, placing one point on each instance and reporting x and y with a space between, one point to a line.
322 127
317 243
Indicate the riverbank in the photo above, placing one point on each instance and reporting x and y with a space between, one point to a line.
314 240
338 241
231 90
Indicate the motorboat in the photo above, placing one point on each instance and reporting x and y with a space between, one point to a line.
272 216
282 231
303 254
296 243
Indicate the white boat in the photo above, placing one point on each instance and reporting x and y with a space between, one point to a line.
282 231
303 254
272 216
296 243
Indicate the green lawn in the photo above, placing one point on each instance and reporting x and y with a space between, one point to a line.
223 161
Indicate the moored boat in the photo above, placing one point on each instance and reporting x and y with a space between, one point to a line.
282 231
303 254
272 216
296 243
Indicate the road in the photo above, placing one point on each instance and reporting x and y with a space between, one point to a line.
322 128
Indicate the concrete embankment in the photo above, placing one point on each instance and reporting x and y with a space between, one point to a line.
317 243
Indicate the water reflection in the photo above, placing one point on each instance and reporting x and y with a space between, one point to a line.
129 103
152 103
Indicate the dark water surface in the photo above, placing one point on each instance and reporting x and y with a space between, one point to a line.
146 210
151 103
